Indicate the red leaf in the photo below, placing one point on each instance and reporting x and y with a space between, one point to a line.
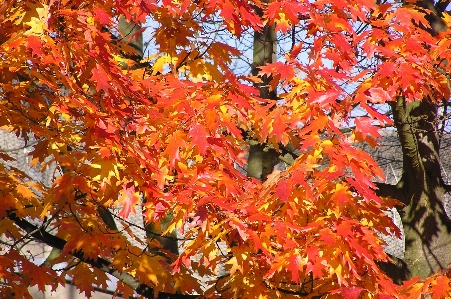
251 18
440 288
160 210
279 126
345 229
286 71
199 136
327 236
40 276
102 16
350 292
101 77
314 264
365 126
374 113
273 8
129 199
294 265
405 16
283 190
378 95
239 226
240 101
34 43
324 98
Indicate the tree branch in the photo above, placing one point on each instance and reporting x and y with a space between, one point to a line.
441 6
389 190
101 264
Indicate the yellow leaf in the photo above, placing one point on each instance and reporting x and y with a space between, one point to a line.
90 20
447 18
233 261
37 27
104 170
337 271
158 66
299 86
38 17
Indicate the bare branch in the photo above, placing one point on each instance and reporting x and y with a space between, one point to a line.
43 236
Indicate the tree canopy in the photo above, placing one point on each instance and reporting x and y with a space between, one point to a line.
170 129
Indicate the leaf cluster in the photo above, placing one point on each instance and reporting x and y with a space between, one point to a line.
168 136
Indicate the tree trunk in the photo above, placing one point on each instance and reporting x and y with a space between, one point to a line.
129 32
262 159
421 187
426 225
422 190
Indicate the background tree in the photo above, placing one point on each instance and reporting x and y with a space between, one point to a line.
171 128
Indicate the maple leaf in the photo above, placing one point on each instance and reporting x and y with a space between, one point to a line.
199 134
284 70
101 78
378 95
377 115
34 43
365 126
104 170
327 236
295 264
405 15
441 287
129 200
325 98
37 27
81 277
350 292
41 276
174 143
234 265
240 227
24 191
282 23
171 127
102 16
160 63
284 189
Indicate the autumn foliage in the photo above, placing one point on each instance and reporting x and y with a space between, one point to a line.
168 133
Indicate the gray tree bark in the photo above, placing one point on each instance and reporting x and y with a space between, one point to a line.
262 159
421 187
